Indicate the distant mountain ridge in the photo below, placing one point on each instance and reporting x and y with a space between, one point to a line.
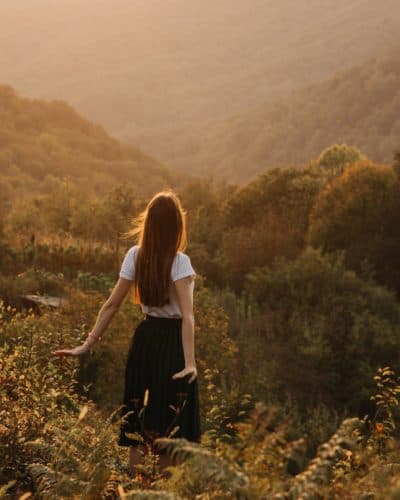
151 71
359 106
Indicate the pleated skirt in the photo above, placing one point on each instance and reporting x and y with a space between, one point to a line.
155 405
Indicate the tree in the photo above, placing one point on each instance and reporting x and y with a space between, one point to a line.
336 158
104 219
358 213
268 218
204 199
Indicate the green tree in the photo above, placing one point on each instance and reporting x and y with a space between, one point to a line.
24 216
266 219
106 218
359 213
336 158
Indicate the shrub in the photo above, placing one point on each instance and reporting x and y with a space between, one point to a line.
323 331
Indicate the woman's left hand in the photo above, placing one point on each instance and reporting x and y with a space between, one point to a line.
190 370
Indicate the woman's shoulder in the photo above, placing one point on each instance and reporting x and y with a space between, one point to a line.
182 257
182 266
132 252
133 249
127 269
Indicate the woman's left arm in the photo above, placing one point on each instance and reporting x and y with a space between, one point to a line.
105 315
185 299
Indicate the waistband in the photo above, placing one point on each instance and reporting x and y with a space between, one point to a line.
162 319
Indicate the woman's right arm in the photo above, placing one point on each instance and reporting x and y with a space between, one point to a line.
105 315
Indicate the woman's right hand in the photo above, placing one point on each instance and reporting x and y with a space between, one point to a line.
76 351
188 370
82 349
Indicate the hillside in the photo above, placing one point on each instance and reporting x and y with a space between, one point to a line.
43 140
359 106
150 70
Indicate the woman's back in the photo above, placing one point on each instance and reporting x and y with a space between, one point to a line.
181 268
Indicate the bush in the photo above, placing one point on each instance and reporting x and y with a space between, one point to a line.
323 331
34 387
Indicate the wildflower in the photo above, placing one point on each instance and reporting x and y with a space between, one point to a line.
379 427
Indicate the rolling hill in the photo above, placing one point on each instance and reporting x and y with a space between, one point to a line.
359 106
151 71
41 141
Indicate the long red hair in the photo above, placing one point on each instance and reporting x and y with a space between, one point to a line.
160 231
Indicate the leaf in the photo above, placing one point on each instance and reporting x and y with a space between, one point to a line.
83 412
26 495
135 436
174 431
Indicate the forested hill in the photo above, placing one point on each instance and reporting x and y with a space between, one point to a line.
41 141
360 106
143 67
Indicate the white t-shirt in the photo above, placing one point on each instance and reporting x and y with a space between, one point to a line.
181 267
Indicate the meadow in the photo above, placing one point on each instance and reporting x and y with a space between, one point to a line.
297 331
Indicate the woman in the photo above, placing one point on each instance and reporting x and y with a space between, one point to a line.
161 391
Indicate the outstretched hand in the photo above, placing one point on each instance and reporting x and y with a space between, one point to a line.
190 370
76 351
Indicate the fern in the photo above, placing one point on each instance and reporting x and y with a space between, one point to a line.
5 487
319 472
81 460
147 495
206 469
110 490
44 479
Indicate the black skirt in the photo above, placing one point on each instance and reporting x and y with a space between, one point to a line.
155 405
